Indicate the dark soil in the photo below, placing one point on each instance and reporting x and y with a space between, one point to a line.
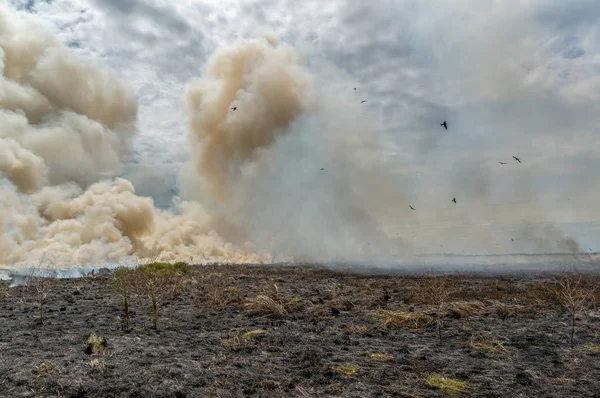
316 336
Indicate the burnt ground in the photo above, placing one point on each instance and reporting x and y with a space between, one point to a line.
318 333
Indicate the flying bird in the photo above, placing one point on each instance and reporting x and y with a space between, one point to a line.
445 125
502 162
363 101
517 159
355 88
412 208
454 200
234 108
512 239
322 168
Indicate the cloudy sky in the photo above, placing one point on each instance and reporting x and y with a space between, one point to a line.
511 78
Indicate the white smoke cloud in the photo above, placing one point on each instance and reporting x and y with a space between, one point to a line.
66 130
298 172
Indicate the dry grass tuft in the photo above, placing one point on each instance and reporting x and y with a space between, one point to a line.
445 384
236 343
96 344
265 305
504 310
357 329
97 365
382 357
345 370
464 309
45 368
591 348
269 303
242 340
489 346
402 319
217 292
251 334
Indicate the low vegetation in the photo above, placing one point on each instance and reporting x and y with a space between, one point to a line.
45 368
122 283
269 303
346 370
96 344
97 365
3 290
42 277
242 340
574 298
445 384
157 280
382 357
403 319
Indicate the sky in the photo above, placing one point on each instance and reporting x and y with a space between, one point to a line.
511 78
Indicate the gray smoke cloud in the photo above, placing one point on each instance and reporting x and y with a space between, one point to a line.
66 130
298 172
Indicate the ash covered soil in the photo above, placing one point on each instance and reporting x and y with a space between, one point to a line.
230 331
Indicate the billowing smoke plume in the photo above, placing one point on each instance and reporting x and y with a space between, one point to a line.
62 120
297 173
66 129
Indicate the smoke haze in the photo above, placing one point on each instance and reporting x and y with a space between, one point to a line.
297 171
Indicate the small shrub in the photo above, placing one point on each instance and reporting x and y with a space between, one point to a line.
122 283
42 278
96 344
156 280
445 384
574 298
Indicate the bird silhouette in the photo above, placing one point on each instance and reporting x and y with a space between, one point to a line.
517 159
412 208
363 101
502 162
445 125
512 239
454 200
322 168
355 88
234 108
